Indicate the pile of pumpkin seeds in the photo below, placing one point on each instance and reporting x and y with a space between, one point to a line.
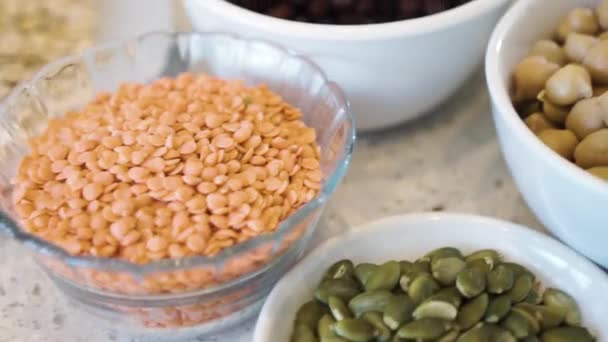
443 296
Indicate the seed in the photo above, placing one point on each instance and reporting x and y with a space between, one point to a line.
498 308
426 328
385 277
338 309
398 311
156 244
500 279
471 282
561 300
472 312
357 330
446 269
342 288
92 191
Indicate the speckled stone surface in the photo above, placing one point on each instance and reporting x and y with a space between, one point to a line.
446 161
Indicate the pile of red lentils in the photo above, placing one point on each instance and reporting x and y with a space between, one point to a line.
183 166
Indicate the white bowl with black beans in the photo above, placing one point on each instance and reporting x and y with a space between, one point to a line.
392 72
548 77
438 277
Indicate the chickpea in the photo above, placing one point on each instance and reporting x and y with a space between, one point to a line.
537 123
528 108
557 114
530 77
603 36
568 85
596 61
562 141
585 117
577 46
580 20
602 14
550 50
600 171
599 90
593 150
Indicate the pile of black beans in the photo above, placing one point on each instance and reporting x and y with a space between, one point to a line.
348 12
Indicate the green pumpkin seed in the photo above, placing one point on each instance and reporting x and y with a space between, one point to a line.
344 289
422 266
425 329
521 324
567 334
364 271
473 311
500 279
309 314
521 288
339 270
370 301
534 296
398 311
338 309
303 333
436 309
489 256
450 295
333 339
480 264
325 327
446 269
422 287
498 308
487 332
471 282
518 270
444 252
383 333
405 266
561 300
355 330
530 339
548 316
384 277
450 336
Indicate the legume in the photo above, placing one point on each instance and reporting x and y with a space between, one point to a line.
560 89
348 12
176 168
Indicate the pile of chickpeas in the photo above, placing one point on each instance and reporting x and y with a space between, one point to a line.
561 89
176 168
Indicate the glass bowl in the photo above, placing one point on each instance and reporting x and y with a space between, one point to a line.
195 295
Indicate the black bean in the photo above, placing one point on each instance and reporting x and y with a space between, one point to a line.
435 6
283 11
348 12
317 9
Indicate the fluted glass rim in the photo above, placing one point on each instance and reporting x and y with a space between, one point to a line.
12 229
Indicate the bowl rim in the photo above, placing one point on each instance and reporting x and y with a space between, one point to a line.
264 327
324 32
505 109
9 227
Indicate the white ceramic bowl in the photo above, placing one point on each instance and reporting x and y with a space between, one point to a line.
391 72
572 204
411 236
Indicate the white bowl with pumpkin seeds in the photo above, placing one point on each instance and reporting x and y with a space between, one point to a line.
410 237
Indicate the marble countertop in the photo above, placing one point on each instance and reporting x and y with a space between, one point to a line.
448 160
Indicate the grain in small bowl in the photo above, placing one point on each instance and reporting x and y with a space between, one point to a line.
567 199
166 182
